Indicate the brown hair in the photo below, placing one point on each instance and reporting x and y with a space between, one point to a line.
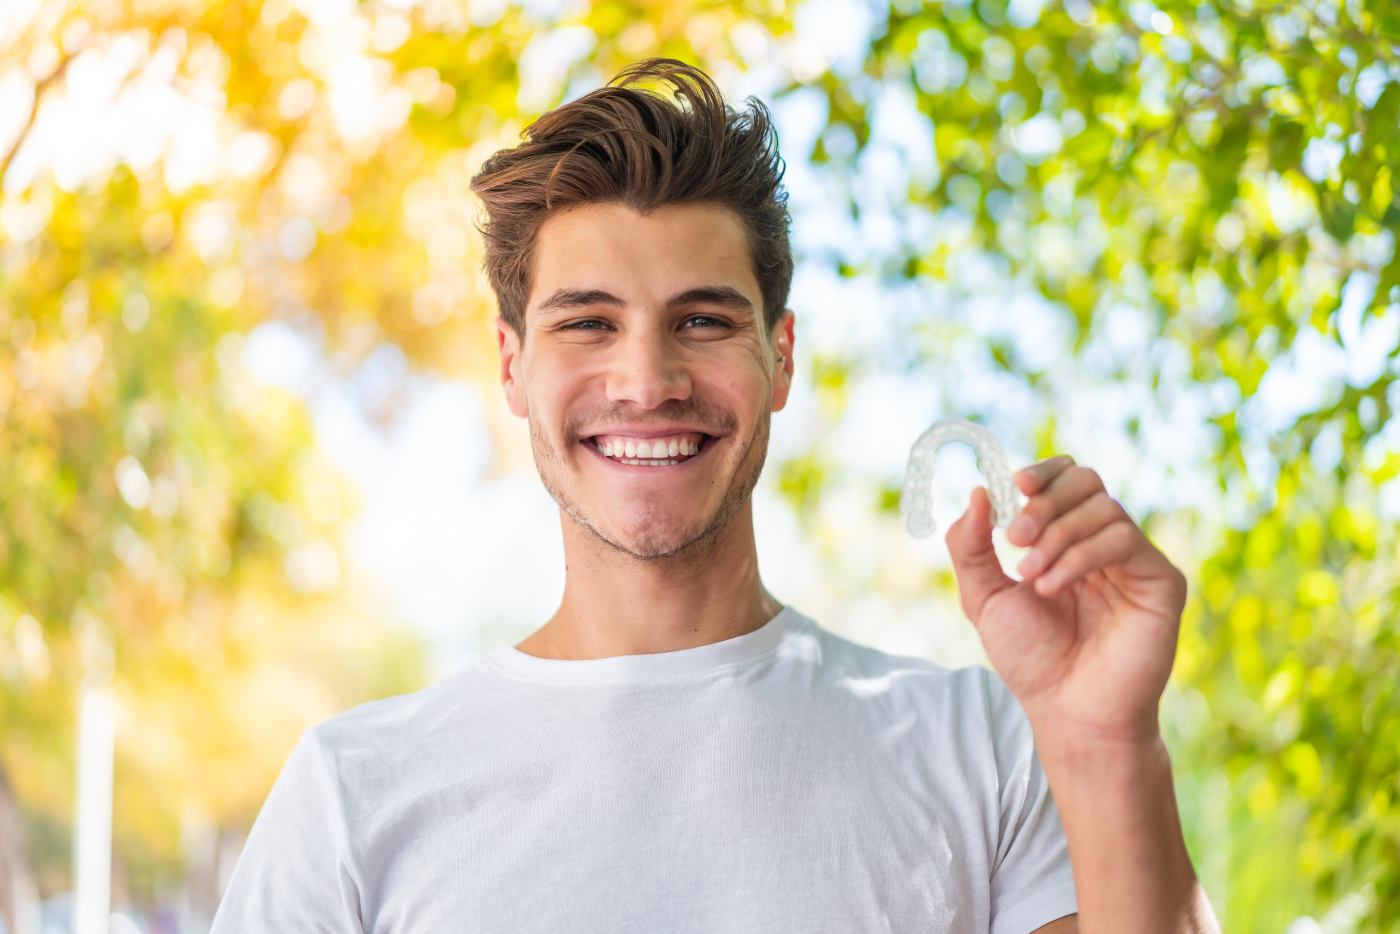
635 147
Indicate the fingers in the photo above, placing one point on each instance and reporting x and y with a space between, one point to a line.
1033 478
975 562
1066 488
1112 544
1080 523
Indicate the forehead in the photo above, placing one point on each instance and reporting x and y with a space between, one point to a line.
642 257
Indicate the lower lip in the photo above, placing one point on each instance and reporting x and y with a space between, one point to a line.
640 469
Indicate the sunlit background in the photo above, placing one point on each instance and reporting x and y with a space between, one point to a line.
255 467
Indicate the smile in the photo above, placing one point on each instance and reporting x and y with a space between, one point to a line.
650 465
641 455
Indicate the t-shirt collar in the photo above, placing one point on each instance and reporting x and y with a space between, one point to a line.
647 667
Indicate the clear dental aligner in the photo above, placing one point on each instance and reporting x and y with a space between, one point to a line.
917 501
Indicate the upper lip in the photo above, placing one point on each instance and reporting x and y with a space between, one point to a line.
627 431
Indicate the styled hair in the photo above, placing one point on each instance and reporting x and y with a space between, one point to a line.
637 148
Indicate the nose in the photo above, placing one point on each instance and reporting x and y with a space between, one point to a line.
647 369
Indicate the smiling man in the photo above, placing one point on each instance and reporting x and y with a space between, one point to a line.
647 373
676 750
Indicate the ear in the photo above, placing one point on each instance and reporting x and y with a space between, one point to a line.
508 343
782 338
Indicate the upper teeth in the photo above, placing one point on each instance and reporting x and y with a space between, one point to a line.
673 446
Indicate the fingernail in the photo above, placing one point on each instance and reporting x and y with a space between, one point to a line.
1030 564
1022 527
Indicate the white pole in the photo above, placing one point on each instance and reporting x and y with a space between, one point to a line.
92 831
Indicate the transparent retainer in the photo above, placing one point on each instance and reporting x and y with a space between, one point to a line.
917 501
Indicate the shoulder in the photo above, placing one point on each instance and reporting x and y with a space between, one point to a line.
404 716
967 710
970 690
369 744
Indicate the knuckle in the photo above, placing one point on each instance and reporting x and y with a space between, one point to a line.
1123 533
1069 560
1050 468
1053 539
1104 504
953 532
1036 508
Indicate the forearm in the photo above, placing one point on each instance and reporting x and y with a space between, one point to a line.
1118 807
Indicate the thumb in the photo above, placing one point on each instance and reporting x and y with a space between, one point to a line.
975 561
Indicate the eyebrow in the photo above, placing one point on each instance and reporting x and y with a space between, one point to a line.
723 295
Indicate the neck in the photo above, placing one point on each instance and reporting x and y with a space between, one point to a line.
615 604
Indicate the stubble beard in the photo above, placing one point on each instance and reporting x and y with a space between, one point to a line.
697 546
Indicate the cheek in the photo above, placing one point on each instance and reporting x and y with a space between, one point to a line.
746 394
556 396
754 382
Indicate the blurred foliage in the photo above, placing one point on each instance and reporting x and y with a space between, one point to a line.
161 512
1231 169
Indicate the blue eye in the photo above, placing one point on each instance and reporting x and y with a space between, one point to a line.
717 321
577 325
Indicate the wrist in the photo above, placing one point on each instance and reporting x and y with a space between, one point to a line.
1068 740
1102 760
1117 804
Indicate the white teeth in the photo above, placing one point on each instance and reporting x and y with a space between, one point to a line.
651 453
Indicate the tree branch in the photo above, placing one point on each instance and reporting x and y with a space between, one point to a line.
40 87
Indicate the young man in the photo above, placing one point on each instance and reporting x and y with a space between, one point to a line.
675 750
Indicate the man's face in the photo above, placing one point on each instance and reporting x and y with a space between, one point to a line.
647 330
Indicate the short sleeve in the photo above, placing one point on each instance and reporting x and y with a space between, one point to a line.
294 873
1032 883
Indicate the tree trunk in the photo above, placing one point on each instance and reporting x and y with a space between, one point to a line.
19 898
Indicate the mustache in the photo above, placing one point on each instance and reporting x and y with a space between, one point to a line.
715 421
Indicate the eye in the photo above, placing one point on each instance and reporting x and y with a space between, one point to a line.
578 325
714 322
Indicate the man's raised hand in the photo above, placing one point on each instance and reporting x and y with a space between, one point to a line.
1086 639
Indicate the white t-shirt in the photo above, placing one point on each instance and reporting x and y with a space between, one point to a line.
786 780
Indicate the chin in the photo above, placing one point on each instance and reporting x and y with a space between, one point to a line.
655 538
